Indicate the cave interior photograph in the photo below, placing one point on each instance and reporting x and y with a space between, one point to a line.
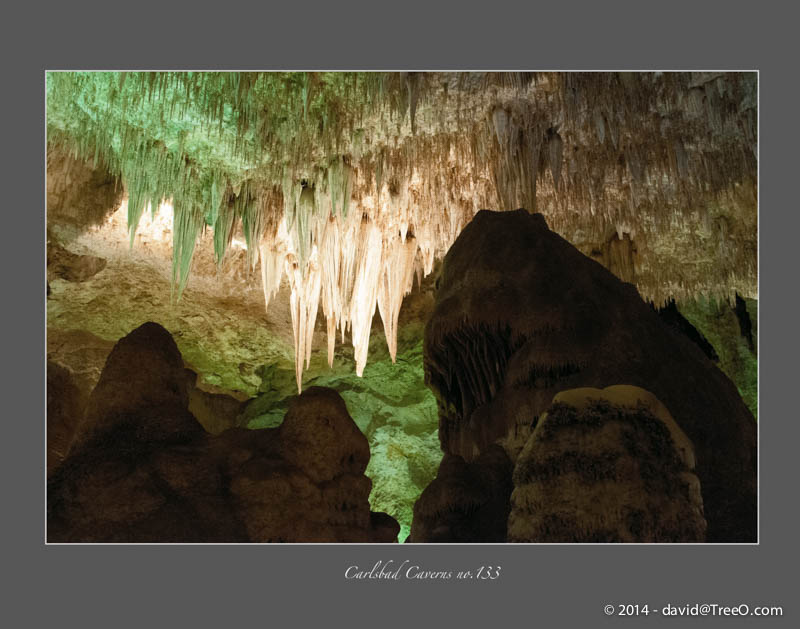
401 307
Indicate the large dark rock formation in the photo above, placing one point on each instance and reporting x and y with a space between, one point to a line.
521 315
142 469
466 502
143 375
606 466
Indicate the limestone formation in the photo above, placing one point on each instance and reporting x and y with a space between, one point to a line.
606 465
321 438
143 469
349 183
467 502
168 190
79 193
521 315
144 373
389 403
81 352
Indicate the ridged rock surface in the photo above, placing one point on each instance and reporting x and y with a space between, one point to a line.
606 465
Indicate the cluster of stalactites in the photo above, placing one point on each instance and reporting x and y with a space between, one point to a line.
638 147
353 257
330 171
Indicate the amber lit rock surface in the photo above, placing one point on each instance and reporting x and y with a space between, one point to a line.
81 352
144 470
521 315
606 465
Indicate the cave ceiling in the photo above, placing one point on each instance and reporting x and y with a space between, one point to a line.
345 187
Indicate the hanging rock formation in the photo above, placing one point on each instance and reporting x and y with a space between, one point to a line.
80 192
142 469
606 465
521 315
328 175
345 187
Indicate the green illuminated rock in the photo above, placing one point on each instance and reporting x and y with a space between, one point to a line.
718 323
391 406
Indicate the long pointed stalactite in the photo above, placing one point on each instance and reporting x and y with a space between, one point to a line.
349 185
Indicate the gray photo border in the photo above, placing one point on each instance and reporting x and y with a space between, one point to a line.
549 585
